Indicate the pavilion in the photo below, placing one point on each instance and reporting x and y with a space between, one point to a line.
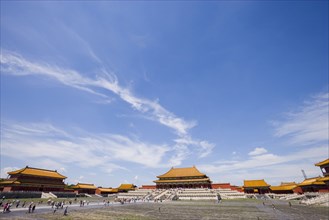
126 187
324 166
286 188
84 188
105 191
256 186
189 177
33 179
313 184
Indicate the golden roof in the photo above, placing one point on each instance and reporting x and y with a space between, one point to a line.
312 181
180 181
325 162
38 172
107 190
182 172
255 183
324 179
283 187
84 186
10 181
288 183
126 186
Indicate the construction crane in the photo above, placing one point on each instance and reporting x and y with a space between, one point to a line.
304 174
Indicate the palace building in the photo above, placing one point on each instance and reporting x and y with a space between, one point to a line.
286 188
324 166
33 179
313 184
106 191
256 186
126 187
84 188
189 177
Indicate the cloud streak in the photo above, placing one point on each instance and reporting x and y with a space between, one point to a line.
257 151
307 125
262 166
84 150
16 64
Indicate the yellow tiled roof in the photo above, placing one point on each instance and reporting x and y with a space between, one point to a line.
126 186
325 162
9 181
283 187
84 186
255 183
38 172
179 181
107 190
312 181
324 179
288 183
182 172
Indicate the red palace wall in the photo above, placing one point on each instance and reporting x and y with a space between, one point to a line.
148 187
221 185
298 190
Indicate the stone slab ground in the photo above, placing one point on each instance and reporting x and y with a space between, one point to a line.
189 210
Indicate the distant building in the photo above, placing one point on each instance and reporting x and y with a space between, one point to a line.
226 186
256 186
221 186
105 191
324 166
286 188
84 188
314 184
126 187
33 179
148 187
189 177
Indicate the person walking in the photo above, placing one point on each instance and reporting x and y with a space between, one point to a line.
65 211
30 207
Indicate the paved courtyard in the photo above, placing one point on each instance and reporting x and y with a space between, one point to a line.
228 209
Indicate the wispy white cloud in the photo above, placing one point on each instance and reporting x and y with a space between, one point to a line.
267 165
204 148
307 125
84 150
257 151
16 64
4 171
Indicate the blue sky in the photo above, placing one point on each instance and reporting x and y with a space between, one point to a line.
115 92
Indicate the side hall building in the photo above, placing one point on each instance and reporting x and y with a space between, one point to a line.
84 188
256 186
189 177
33 179
324 166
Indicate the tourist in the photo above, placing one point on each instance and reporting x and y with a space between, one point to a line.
290 204
17 203
30 207
33 208
65 211
5 207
